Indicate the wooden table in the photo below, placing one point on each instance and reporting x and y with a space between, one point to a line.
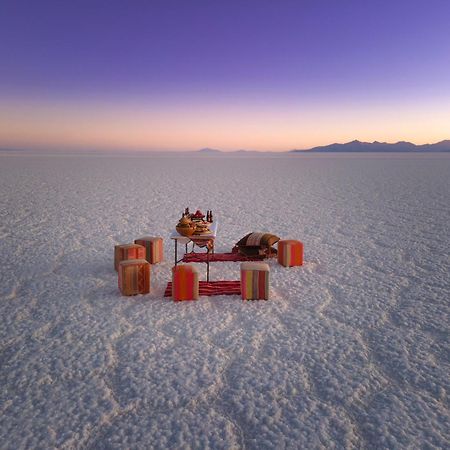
199 240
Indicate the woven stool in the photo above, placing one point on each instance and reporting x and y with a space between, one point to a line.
185 285
127 251
254 281
134 277
153 248
290 253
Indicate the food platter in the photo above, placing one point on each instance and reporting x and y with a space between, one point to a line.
202 228
196 225
202 233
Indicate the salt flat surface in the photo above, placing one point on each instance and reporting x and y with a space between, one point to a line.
350 352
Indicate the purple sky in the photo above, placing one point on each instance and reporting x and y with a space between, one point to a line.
229 57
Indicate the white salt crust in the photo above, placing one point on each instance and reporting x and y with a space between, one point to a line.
351 350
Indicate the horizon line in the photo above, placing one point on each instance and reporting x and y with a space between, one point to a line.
203 149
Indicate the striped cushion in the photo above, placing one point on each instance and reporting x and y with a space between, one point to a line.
185 285
290 253
134 277
254 281
254 244
153 248
127 251
258 239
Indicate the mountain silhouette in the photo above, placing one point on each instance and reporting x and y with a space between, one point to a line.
374 147
209 150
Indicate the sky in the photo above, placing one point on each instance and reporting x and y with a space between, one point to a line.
260 75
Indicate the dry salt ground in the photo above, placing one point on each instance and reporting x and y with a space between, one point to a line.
351 351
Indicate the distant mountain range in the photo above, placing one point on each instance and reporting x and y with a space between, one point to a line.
376 147
360 147
209 150
349 147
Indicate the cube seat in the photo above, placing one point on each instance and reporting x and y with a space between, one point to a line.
185 282
127 251
290 253
154 251
254 281
134 276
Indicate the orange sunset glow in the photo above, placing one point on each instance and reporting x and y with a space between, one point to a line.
120 125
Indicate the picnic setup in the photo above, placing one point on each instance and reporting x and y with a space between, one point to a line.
195 236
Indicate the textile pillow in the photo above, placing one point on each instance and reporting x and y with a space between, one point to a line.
257 240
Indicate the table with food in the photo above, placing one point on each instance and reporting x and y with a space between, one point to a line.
198 229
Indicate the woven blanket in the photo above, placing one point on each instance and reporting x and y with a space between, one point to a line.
214 257
212 288
258 239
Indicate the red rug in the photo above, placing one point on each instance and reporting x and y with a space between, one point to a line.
214 257
212 288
